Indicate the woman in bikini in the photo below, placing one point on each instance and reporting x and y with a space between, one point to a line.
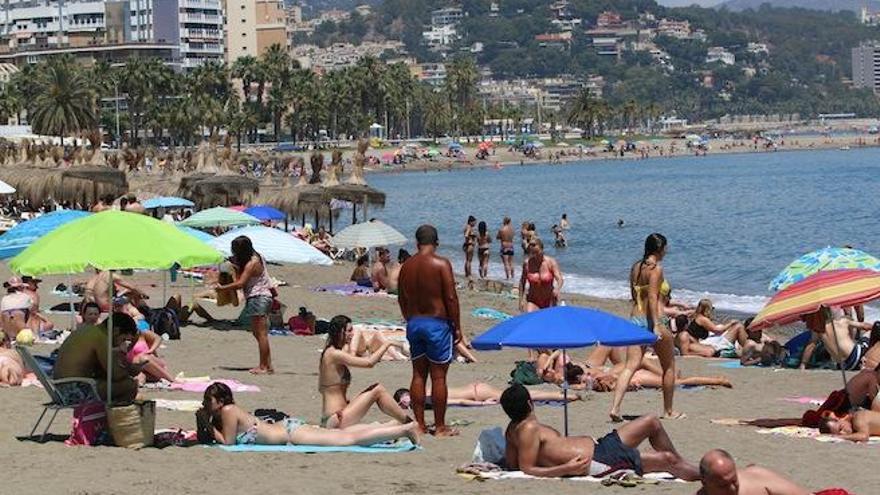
646 288
484 242
470 244
231 425
703 337
334 379
144 352
544 279
259 291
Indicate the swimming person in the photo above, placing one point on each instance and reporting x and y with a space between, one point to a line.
253 279
563 222
646 283
429 304
505 236
334 379
539 450
231 425
544 279
470 241
484 242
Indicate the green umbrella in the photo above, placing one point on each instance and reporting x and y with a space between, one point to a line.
219 217
113 240
433 152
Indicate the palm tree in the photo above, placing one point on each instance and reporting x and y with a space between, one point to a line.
584 112
146 84
65 100
628 114
10 103
245 68
461 88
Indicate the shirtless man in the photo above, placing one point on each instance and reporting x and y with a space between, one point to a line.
857 427
105 203
98 288
134 206
429 304
394 271
379 271
863 390
505 236
721 477
539 450
837 339
84 355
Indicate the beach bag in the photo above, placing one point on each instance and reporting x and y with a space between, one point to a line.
164 321
525 374
89 425
132 426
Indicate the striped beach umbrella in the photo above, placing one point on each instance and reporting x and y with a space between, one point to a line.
829 258
838 288
368 235
274 245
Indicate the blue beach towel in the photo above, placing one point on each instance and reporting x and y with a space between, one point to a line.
490 314
383 448
727 364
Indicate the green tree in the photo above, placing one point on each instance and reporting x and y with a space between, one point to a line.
64 101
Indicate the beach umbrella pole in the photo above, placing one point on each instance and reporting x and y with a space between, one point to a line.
564 395
70 302
110 345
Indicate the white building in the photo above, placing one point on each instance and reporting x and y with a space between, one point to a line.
758 48
447 16
866 66
440 37
433 74
720 54
674 29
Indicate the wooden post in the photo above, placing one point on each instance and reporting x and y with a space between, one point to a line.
354 213
330 219
366 207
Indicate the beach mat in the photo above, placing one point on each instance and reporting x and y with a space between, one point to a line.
350 290
804 432
200 385
178 405
727 364
490 314
647 478
545 403
383 448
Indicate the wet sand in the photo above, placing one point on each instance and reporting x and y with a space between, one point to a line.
55 468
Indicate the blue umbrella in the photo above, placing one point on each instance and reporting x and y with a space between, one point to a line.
198 234
265 213
563 327
167 202
18 238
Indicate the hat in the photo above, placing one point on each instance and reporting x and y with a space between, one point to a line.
14 283
15 301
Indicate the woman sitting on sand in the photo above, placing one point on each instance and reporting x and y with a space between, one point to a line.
231 425
361 273
334 379
144 352
478 394
706 338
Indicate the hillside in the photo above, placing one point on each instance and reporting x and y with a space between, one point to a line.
834 6
796 63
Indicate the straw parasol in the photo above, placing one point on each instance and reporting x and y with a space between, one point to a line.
208 190
83 183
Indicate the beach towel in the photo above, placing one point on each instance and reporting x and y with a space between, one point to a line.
727 364
179 405
813 401
623 478
545 403
200 384
351 290
804 432
490 314
380 448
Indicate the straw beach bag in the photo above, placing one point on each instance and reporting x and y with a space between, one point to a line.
132 426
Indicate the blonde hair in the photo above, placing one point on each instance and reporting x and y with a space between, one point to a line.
704 307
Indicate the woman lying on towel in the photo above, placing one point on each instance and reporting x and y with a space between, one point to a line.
478 394
334 378
231 425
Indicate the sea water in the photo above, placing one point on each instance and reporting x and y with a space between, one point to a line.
733 220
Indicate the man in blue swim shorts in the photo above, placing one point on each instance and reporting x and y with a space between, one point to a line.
429 305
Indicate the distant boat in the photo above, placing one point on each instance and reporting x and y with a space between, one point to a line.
873 130
844 148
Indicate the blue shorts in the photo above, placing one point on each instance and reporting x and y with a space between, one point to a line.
611 455
254 306
431 337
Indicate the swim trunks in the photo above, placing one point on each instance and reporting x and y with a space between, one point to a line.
431 337
853 362
612 455
507 251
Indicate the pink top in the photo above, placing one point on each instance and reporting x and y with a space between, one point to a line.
260 285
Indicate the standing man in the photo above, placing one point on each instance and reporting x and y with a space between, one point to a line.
505 236
429 305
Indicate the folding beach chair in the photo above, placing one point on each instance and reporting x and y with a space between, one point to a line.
66 393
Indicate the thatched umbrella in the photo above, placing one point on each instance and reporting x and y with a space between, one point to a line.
208 190
83 184
356 194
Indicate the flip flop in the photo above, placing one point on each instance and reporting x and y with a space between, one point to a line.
679 415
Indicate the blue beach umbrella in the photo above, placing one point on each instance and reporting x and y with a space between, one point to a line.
18 238
167 202
563 327
265 213
198 234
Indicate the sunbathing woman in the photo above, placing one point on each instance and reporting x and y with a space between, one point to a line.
334 378
365 341
706 338
579 376
11 368
232 425
144 352
479 394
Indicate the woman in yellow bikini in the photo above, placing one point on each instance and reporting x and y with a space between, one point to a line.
334 379
647 287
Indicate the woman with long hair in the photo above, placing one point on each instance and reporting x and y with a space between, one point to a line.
544 279
470 241
484 242
647 288
252 277
334 379
229 424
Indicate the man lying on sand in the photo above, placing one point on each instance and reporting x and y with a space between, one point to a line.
539 450
721 477
857 427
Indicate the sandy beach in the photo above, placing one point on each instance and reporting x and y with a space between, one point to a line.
56 468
